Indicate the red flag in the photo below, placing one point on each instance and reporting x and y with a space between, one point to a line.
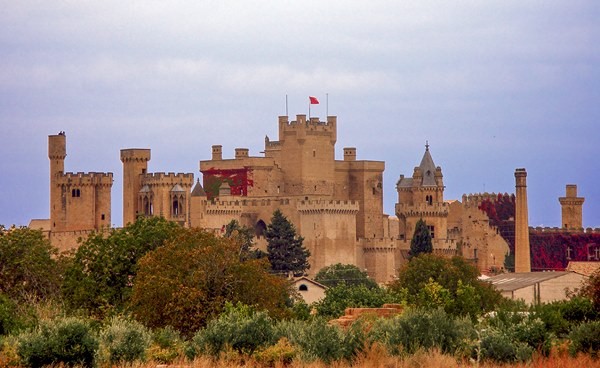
313 100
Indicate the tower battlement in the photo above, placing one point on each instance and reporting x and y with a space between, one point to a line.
135 154
327 206
82 178
423 210
474 200
168 178
303 126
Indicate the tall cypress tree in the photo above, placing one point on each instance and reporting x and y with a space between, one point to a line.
421 240
284 246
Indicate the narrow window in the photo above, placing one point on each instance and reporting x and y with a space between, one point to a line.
102 217
431 230
314 153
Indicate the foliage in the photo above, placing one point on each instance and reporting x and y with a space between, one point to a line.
70 341
187 282
418 329
559 316
351 275
315 339
244 237
280 354
236 178
167 345
421 240
284 247
591 289
338 298
104 268
585 338
240 328
498 346
123 341
9 320
28 269
431 281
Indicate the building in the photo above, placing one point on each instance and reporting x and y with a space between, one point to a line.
537 287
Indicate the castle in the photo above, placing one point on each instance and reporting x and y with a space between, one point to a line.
336 205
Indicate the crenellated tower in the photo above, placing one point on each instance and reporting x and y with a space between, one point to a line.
57 152
422 197
135 164
571 208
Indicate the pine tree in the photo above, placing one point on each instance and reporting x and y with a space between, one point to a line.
284 246
421 240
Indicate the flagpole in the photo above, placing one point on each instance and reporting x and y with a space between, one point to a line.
286 105
326 105
309 108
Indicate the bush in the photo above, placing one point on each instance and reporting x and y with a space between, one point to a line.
68 340
167 345
240 328
123 341
282 353
315 339
9 320
585 338
498 346
424 330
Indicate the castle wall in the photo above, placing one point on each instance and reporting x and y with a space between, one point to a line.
381 258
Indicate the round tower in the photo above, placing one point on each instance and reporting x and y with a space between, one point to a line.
522 249
135 164
57 152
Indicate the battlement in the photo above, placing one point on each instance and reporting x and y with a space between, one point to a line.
327 206
541 230
135 154
476 199
301 126
216 203
422 209
168 178
82 178
378 245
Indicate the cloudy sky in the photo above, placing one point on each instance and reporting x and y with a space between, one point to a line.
492 85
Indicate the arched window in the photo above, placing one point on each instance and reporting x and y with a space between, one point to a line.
175 207
429 199
303 287
147 206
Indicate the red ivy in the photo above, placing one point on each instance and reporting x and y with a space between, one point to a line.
548 249
236 178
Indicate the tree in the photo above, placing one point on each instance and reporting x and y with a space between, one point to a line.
456 276
591 289
187 282
244 237
421 240
28 264
285 249
103 269
348 274
343 296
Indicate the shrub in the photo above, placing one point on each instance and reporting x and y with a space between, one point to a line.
123 341
167 345
585 338
239 327
315 339
67 340
8 315
8 351
498 346
282 353
424 330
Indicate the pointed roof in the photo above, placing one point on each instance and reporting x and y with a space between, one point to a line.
428 168
198 191
177 189
146 189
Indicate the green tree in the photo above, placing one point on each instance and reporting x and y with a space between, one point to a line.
103 269
468 295
244 237
351 275
284 246
421 240
591 289
28 265
343 296
187 282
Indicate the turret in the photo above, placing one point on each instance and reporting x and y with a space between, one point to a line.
572 208
57 152
135 163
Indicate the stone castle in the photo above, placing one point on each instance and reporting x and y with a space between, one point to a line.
336 205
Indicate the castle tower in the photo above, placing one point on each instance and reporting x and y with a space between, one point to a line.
308 155
422 197
571 208
135 163
522 252
57 152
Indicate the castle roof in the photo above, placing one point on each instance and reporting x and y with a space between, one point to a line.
428 168
177 188
145 189
198 191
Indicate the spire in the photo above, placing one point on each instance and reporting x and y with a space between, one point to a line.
198 191
428 168
426 145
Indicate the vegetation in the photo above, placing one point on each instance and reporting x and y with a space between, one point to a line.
348 274
342 296
285 250
421 240
103 269
29 270
187 282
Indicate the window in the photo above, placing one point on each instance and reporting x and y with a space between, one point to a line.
431 230
429 199
75 193
303 287
102 217
175 207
